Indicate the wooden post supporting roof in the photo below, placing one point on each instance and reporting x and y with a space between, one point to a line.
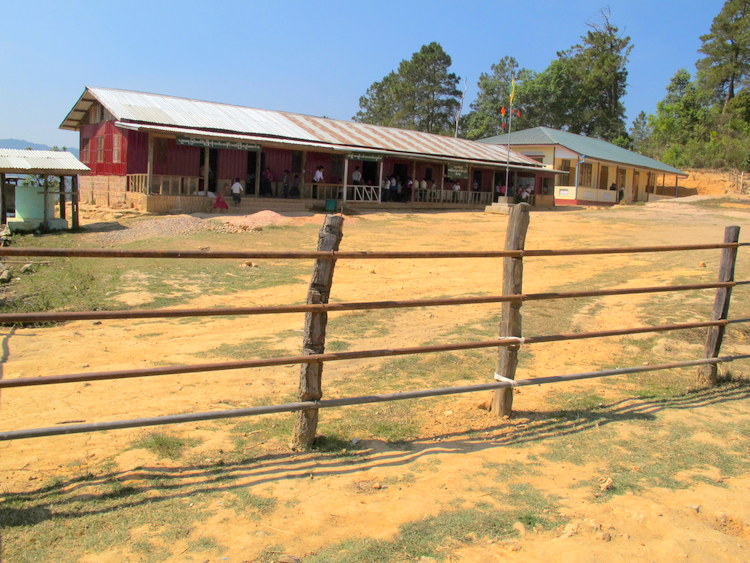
62 196
3 214
346 178
45 212
149 165
74 195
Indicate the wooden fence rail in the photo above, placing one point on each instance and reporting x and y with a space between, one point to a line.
316 309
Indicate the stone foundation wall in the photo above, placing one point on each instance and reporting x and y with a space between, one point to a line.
110 191
107 191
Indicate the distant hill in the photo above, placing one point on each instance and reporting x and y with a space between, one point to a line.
20 144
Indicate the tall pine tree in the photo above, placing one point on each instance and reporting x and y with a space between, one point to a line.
422 95
727 48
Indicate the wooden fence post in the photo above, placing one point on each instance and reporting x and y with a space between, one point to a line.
510 322
708 374
74 201
310 382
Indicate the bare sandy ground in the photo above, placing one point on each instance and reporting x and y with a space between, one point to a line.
324 500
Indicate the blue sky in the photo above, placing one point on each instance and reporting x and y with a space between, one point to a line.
304 57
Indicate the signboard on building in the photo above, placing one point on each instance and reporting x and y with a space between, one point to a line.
456 171
217 144
364 156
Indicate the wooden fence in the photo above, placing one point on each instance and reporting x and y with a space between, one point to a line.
313 356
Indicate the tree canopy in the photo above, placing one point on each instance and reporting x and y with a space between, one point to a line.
702 121
484 119
726 47
421 95
580 91
705 122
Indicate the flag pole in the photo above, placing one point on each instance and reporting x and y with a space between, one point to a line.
510 127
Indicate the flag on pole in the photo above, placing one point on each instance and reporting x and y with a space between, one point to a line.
512 90
502 111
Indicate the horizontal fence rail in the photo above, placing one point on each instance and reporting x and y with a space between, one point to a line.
339 356
349 401
314 356
339 255
336 307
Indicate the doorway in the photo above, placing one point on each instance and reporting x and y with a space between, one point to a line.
603 176
369 173
401 171
252 162
477 183
213 162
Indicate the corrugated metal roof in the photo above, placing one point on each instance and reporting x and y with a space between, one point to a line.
298 144
589 146
212 117
16 161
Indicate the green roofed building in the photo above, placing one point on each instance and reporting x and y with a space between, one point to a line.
595 172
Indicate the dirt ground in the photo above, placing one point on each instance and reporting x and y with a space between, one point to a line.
461 454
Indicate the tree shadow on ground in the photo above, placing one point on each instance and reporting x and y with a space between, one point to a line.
96 494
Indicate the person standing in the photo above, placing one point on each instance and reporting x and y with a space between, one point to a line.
266 183
317 179
237 190
356 177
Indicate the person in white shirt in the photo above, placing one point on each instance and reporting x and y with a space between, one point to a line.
356 177
236 190
317 179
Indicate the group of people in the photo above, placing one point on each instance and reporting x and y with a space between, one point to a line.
521 194
290 185
394 189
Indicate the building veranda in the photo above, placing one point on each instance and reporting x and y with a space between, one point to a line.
595 172
160 153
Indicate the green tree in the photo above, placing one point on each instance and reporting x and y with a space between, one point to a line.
581 91
682 121
726 47
422 95
600 61
553 98
485 119
640 131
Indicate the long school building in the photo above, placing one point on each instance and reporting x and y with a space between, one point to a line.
161 153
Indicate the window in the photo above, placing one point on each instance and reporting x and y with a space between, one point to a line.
584 174
100 149
564 179
116 142
621 177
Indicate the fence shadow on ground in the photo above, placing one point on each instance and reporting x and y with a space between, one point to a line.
94 494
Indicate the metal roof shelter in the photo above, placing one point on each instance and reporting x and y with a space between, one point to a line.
51 163
45 163
159 113
584 146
